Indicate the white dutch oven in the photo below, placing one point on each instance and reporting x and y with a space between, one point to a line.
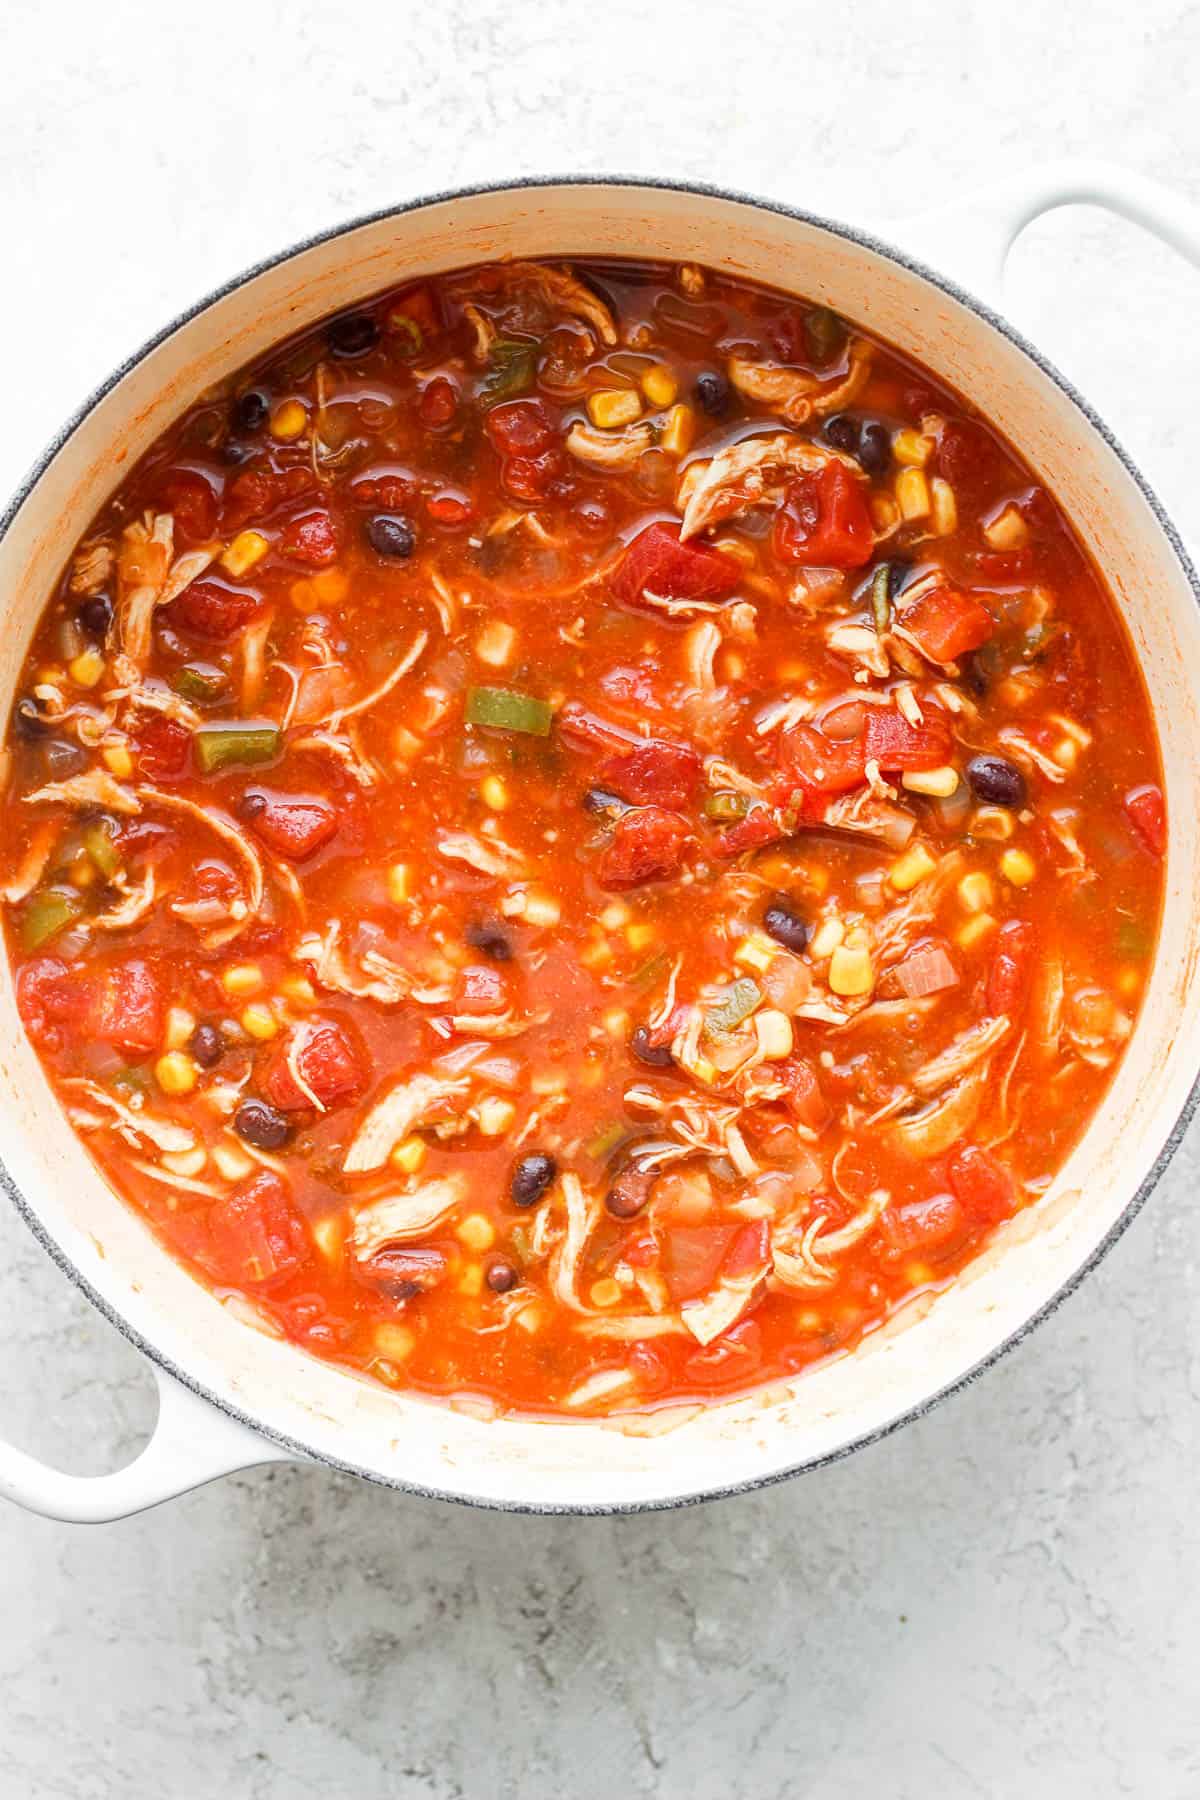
231 1397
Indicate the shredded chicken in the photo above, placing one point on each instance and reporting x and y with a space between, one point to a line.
564 1262
406 662
721 1308
937 1127
605 1384
966 1050
797 395
806 1263
611 450
91 568
135 1126
1018 745
397 1217
132 907
483 331
242 911
491 858
561 291
32 866
752 473
94 788
142 564
421 1100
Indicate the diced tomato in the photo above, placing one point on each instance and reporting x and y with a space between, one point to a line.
692 1256
803 1097
825 521
1008 973
947 623
438 403
255 494
835 765
193 506
313 539
447 507
128 1010
520 428
653 773
759 827
1145 811
291 825
985 1186
531 478
732 1357
164 747
326 1061
923 1225
211 608
640 1249
647 845
307 1320
656 561
390 492
255 1236
405 1272
896 745
480 989
750 1249
52 1001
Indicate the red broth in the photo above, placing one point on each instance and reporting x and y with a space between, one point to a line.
578 834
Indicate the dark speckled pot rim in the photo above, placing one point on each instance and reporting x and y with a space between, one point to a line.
718 1490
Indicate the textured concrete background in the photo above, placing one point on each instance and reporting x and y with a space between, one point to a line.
1000 1601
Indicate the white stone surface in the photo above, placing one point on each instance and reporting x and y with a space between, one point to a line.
1002 1600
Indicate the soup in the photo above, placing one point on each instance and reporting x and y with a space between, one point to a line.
579 834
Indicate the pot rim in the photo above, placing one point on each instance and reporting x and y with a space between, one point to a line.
910 264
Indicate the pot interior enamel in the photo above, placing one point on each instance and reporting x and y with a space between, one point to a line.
930 1344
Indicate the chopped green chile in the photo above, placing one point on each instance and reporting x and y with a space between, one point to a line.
534 808
48 912
227 746
505 709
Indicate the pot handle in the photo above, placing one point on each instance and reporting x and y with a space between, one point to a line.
971 238
192 1443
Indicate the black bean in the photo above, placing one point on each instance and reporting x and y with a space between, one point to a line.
95 615
490 937
630 1192
655 1056
899 575
261 1125
531 1177
996 781
502 1277
712 391
252 805
875 448
390 535
250 410
784 924
352 335
842 431
28 723
206 1045
599 800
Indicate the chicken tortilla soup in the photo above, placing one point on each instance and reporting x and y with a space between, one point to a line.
577 835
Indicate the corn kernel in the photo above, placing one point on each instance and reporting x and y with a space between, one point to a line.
409 1155
912 495
912 448
641 934
945 507
679 431
175 1073
616 1023
289 421
1018 867
180 1026
231 1161
398 885
756 952
247 548
329 1235
826 939
884 511
611 407
495 644
940 783
258 1021
615 915
596 955
299 990
493 793
774 1033
851 971
605 1292
1008 530
976 892
542 909
975 929
184 1162
910 868
86 669
475 1232
659 385
242 978
118 761
494 1116
396 1342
